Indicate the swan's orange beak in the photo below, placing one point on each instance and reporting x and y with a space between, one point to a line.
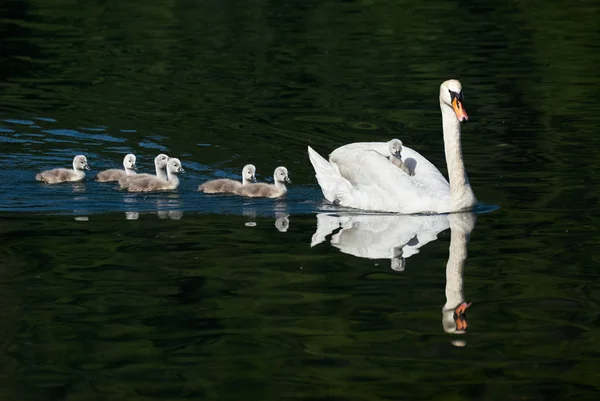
459 316
461 113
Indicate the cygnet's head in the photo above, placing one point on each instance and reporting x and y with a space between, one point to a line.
396 147
129 162
174 165
249 173
281 175
161 160
80 163
451 95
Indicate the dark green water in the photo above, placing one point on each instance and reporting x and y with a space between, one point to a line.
113 296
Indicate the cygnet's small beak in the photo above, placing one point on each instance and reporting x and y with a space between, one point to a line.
287 180
181 170
87 166
253 178
134 168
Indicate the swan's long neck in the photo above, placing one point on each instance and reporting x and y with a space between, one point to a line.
461 194
160 172
461 225
172 179
280 186
454 268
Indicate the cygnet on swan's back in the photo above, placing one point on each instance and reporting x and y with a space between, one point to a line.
395 147
59 175
225 185
114 174
160 165
263 190
152 183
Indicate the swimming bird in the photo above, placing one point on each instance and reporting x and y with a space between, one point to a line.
160 165
263 190
359 175
114 174
225 185
59 175
153 183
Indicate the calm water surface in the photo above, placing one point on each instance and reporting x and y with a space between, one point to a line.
115 296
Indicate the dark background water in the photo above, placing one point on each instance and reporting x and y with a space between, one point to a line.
107 295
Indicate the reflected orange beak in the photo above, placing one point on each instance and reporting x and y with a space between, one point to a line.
459 316
461 113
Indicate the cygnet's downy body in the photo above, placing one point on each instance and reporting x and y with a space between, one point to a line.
114 174
154 184
160 165
396 155
263 190
58 175
224 185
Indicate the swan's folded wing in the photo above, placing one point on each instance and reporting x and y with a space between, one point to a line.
379 185
334 186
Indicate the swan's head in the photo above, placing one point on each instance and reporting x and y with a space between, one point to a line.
249 173
455 320
174 165
161 160
129 162
281 175
80 163
451 95
395 147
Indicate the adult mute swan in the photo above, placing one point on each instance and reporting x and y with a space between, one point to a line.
360 175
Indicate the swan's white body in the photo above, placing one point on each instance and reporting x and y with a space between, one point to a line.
360 175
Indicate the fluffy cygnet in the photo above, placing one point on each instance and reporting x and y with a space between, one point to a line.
263 190
59 175
114 174
396 156
160 165
225 185
152 183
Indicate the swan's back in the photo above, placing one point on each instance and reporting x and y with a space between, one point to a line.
221 185
391 189
260 190
110 175
146 184
125 180
59 175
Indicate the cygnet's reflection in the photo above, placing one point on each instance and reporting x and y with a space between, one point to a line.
166 207
398 237
282 221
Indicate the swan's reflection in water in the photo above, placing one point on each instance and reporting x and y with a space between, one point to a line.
397 238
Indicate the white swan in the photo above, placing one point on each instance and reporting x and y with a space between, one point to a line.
160 166
359 175
152 183
397 238
114 174
58 175
395 148
225 185
263 190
